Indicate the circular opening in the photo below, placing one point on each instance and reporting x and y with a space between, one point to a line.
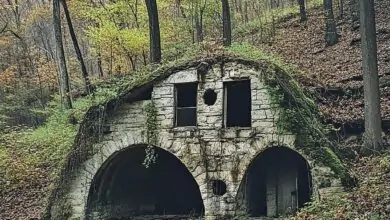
210 97
219 187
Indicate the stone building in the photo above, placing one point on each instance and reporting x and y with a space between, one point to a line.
199 141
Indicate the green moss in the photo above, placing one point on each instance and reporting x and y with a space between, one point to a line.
151 134
235 168
298 111
299 115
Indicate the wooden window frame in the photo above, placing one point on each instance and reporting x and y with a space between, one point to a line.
181 108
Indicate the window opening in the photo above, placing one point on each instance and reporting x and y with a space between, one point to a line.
219 187
237 104
185 100
210 97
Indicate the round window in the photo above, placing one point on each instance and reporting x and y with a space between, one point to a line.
219 187
210 97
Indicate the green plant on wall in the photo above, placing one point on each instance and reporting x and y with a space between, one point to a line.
298 111
151 134
299 115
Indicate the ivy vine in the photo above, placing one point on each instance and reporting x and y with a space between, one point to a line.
299 115
151 134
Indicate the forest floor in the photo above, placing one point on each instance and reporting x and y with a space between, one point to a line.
338 66
334 73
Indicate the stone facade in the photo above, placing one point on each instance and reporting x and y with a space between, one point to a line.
209 151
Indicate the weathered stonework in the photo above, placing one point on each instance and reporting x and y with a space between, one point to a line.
228 151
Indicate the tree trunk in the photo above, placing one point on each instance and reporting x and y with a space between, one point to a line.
198 23
181 8
302 10
331 37
341 8
372 116
227 31
355 14
84 72
246 16
63 78
154 32
100 63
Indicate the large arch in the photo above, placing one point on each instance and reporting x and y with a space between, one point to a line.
277 182
123 187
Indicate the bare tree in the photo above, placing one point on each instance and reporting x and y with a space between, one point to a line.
372 116
355 13
198 16
87 83
341 9
63 72
154 32
302 10
227 30
331 37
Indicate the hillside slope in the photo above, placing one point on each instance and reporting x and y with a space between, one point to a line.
334 73
337 67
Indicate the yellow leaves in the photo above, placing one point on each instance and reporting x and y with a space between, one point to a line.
46 74
134 40
7 77
78 8
5 40
107 32
115 43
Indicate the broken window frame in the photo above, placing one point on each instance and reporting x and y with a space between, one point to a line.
225 102
178 109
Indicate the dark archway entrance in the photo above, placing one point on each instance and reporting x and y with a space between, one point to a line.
123 188
277 182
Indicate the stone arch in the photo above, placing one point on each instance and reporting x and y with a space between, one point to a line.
277 181
123 187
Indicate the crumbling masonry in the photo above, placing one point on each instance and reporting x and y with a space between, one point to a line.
214 151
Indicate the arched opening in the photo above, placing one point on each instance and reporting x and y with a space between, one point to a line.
123 188
277 183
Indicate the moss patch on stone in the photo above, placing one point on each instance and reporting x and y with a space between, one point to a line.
151 134
298 112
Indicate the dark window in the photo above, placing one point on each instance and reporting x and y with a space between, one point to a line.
219 187
237 104
185 104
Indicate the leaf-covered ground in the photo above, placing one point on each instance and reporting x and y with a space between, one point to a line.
339 66
369 201
335 74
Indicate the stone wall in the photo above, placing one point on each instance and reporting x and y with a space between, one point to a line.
209 150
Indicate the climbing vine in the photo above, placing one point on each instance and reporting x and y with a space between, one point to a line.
299 115
298 111
151 134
